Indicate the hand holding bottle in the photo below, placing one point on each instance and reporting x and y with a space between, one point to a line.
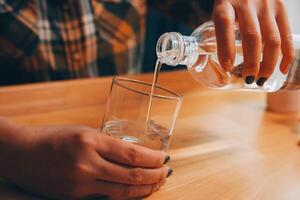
263 25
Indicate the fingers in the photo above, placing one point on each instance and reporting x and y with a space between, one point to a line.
130 154
272 44
122 191
287 48
251 41
224 19
134 176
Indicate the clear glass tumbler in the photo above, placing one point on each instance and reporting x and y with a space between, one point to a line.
129 118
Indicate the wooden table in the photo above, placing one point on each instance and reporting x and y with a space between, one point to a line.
225 146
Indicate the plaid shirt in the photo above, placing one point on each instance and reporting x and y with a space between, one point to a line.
42 40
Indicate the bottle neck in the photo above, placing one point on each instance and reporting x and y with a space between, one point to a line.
175 49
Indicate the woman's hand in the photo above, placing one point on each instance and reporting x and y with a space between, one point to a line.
71 162
263 24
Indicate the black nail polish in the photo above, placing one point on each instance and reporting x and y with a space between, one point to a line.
250 79
170 172
261 81
167 159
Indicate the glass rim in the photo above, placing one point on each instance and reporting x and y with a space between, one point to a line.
176 96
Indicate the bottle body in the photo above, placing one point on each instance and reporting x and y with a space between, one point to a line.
199 53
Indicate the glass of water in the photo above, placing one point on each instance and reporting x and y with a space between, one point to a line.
131 117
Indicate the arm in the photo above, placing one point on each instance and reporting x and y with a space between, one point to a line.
71 162
7 151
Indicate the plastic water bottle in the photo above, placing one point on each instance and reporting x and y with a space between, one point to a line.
199 53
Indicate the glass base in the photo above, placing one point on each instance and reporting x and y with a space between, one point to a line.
130 139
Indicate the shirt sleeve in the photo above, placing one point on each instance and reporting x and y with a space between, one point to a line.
8 6
4 7
18 31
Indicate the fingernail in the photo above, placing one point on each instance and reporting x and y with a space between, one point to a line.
167 159
250 79
170 172
261 81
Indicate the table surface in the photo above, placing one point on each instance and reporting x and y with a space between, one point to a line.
225 144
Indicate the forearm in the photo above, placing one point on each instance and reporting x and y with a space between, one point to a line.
8 137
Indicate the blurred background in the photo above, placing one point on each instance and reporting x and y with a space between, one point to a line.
294 14
161 16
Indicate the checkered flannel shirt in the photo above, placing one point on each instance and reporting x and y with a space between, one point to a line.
42 40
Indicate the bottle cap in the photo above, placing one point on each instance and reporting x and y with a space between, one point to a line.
169 49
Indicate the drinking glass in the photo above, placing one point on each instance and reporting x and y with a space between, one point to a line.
129 118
